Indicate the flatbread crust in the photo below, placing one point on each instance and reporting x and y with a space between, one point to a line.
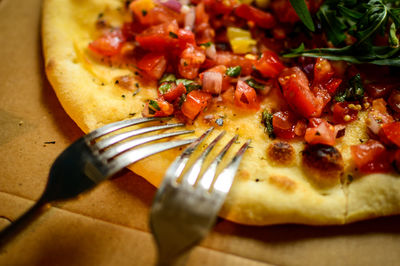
264 192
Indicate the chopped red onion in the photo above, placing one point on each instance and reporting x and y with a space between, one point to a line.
211 52
373 124
212 82
190 19
172 4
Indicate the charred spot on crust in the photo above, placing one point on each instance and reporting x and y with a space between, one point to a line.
323 161
280 152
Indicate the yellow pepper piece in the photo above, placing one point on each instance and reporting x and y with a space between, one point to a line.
141 7
240 40
234 33
242 45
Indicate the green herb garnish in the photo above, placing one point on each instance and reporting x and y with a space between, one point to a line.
164 87
190 85
154 105
363 20
233 71
206 44
266 120
144 12
254 84
167 77
173 35
354 91
302 11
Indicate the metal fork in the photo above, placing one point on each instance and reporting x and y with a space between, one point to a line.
94 158
183 212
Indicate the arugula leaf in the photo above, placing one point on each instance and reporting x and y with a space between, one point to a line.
154 105
302 11
363 20
354 91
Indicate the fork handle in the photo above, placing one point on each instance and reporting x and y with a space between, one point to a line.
23 221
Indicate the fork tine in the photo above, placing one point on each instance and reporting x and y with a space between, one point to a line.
135 155
124 135
208 176
176 168
190 177
127 145
225 179
119 125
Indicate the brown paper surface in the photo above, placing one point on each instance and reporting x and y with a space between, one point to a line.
108 226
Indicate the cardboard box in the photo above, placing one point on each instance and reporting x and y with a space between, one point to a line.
109 225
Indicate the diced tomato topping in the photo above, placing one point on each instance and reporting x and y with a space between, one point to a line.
269 64
300 128
323 71
153 65
333 85
284 125
343 114
174 92
195 102
185 37
320 132
131 29
159 38
159 108
246 96
392 132
108 44
371 157
262 19
219 7
231 60
190 61
148 12
297 92
378 115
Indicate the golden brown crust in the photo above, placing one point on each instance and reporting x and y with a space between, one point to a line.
282 182
263 193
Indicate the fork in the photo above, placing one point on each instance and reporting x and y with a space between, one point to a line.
183 212
94 158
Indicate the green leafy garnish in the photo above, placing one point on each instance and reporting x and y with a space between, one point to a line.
167 77
254 84
206 44
233 71
302 11
266 119
173 35
362 20
353 92
190 85
164 87
144 12
154 105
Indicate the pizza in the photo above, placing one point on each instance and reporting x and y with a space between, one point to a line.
315 84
